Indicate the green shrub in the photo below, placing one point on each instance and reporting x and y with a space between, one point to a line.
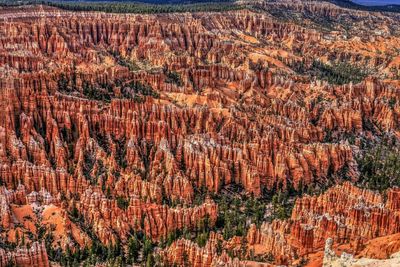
122 203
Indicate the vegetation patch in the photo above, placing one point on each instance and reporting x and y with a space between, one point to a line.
379 164
335 73
173 77
144 8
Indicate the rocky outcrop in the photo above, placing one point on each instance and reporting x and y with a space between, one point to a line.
348 260
36 255
185 252
19 198
345 214
354 218
156 221
26 216
360 214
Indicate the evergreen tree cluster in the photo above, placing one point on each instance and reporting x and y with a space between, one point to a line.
336 73
379 164
235 214
134 90
97 93
144 8
340 73
122 203
281 208
173 77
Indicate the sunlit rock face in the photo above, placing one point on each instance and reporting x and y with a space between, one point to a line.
233 101
345 214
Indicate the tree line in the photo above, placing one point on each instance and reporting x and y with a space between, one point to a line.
144 8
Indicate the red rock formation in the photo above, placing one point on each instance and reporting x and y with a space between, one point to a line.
344 213
185 252
76 132
36 255
393 199
155 220
262 156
